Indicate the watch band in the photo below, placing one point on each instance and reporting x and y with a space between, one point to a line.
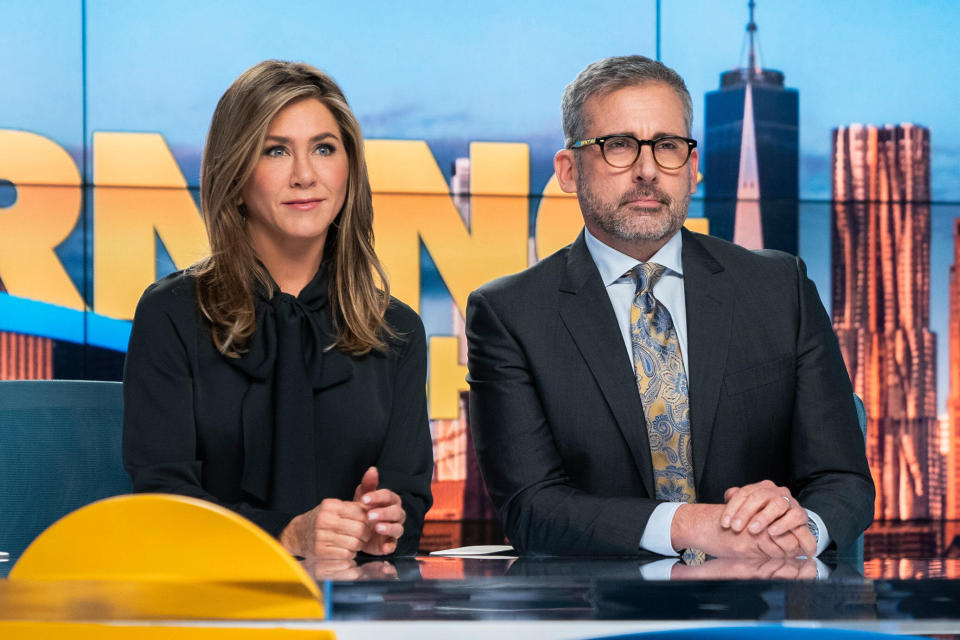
814 529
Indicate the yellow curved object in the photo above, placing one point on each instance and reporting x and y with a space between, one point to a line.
160 538
108 600
92 631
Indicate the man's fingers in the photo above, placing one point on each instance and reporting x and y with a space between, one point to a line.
788 544
750 506
808 544
754 507
791 519
735 497
797 542
768 546
774 512
731 508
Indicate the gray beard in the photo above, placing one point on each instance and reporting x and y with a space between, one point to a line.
629 225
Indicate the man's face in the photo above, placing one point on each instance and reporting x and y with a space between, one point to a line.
643 205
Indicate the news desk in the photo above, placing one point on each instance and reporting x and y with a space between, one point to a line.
540 598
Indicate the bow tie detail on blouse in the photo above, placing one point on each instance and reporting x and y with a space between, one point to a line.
287 359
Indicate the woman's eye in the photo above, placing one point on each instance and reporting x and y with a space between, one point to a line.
325 149
274 152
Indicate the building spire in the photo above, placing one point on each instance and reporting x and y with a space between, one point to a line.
751 34
750 70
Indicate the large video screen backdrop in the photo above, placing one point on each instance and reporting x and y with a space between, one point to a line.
841 145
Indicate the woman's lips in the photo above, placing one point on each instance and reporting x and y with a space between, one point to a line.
303 205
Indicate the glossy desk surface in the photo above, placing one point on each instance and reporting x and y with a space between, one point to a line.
432 588
590 597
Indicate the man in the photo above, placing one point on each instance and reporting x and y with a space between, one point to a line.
651 389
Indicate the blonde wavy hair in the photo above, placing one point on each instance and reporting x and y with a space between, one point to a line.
227 277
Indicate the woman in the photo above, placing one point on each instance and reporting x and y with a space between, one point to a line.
276 377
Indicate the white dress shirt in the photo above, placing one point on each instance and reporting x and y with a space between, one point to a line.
668 290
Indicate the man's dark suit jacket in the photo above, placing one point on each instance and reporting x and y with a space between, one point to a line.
558 424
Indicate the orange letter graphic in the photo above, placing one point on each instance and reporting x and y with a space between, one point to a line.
412 203
45 212
139 191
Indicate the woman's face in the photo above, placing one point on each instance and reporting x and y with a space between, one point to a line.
299 182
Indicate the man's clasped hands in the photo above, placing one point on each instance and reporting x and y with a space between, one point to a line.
760 519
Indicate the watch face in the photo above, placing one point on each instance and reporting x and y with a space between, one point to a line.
814 529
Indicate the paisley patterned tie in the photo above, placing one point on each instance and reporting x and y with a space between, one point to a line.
662 382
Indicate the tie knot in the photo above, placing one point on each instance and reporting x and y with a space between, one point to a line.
646 275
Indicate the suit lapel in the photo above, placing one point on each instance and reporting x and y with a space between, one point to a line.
586 312
709 304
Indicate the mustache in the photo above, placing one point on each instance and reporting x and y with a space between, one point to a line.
648 192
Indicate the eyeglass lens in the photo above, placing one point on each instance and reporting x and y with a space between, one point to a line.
669 153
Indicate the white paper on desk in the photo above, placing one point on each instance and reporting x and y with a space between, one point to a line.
489 551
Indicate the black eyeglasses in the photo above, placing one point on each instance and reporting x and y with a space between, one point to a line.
670 152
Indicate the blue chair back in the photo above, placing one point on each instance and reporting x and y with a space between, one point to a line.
861 416
59 450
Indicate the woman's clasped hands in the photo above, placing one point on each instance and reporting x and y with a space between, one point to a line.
372 523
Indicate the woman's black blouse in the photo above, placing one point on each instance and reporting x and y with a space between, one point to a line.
236 431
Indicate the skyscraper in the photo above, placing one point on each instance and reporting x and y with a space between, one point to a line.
881 304
953 399
751 156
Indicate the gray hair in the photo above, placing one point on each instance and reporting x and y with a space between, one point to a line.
607 75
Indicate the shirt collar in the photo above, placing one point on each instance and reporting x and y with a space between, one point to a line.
612 264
